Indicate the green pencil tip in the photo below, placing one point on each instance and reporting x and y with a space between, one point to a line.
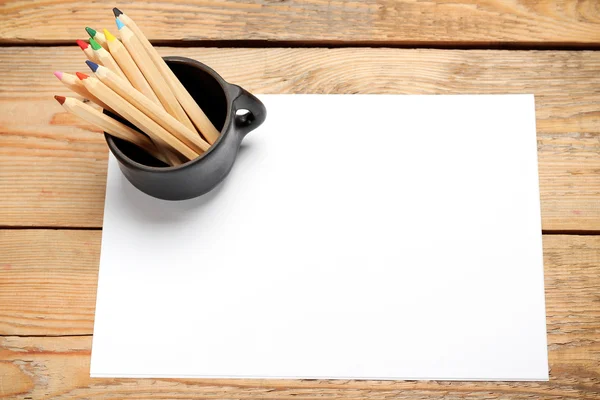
90 31
95 44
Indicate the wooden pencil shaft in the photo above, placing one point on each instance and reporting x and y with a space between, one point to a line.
154 77
193 110
172 157
130 69
73 83
92 56
101 39
139 119
158 134
109 62
158 114
112 126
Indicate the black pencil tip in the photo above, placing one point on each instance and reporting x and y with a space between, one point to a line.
117 12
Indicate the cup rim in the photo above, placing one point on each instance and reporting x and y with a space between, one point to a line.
229 102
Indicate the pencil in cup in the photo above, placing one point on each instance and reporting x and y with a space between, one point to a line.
110 125
106 59
73 83
157 113
153 75
87 50
97 36
128 66
157 133
193 110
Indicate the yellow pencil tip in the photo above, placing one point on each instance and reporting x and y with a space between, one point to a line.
109 35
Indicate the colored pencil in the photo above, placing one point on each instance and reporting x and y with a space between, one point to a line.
106 59
133 73
156 132
153 75
89 53
76 86
124 89
97 36
193 110
110 125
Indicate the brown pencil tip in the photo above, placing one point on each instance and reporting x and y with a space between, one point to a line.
60 99
81 76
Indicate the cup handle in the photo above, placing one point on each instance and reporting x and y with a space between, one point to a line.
243 100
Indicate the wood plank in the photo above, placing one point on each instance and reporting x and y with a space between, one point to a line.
566 22
53 166
48 281
54 293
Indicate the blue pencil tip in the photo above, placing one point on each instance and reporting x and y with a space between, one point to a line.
119 24
93 66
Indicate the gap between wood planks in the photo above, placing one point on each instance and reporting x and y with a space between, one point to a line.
332 44
43 336
53 228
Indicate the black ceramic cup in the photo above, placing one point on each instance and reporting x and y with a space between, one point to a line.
221 102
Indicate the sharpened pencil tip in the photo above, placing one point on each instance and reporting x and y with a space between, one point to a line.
90 31
60 99
109 36
82 44
81 76
58 74
95 45
93 66
117 12
120 25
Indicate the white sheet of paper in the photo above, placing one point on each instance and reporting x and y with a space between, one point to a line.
364 236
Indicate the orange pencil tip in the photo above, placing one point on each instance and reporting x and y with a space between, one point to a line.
81 76
60 99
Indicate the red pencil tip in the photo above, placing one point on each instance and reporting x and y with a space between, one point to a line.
60 99
81 76
82 44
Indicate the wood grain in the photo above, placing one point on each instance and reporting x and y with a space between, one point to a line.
409 22
48 281
53 166
53 293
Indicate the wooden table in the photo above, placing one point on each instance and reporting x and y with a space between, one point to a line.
53 166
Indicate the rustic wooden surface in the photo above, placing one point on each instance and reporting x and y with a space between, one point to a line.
53 292
412 22
49 286
58 368
53 169
53 166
